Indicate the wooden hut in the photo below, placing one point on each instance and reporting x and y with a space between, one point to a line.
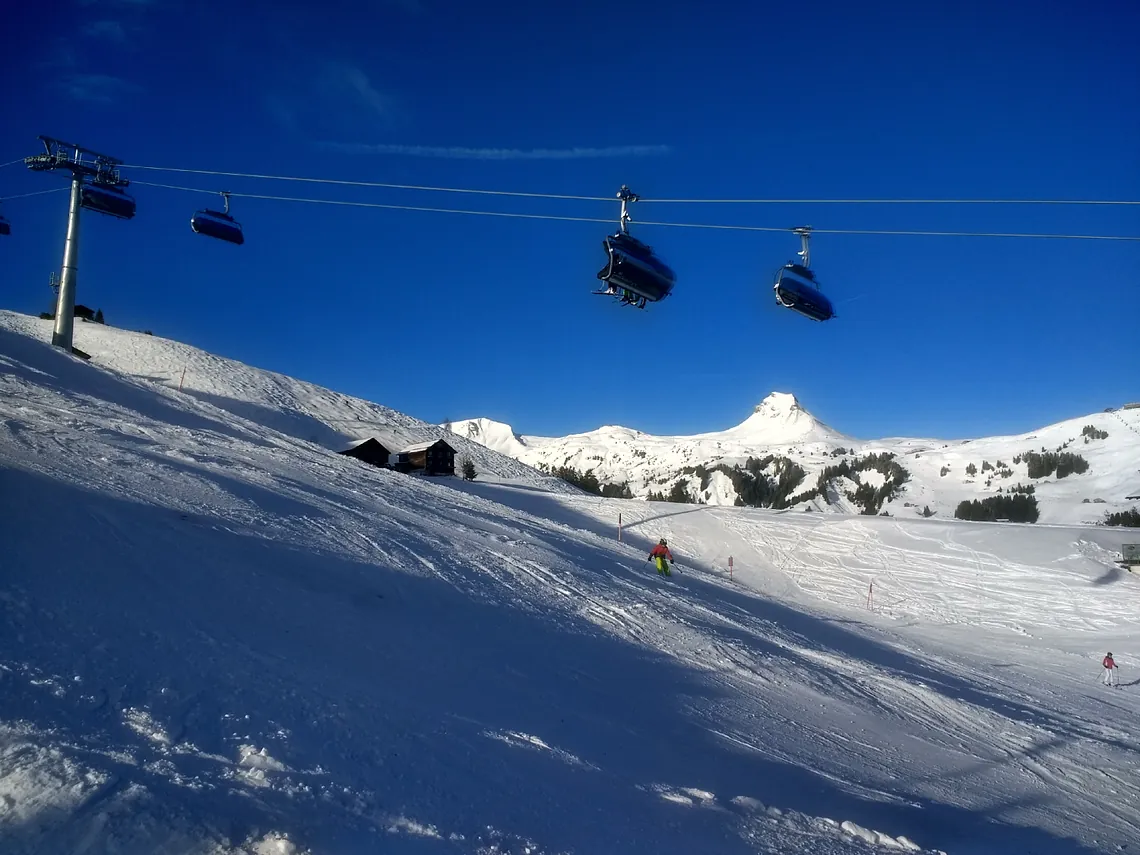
370 450
434 457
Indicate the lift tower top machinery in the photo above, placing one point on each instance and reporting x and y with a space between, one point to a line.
95 184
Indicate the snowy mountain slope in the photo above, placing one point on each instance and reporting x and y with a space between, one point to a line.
491 434
221 639
258 398
779 419
781 426
618 454
1113 473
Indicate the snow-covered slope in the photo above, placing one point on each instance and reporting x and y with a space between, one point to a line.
939 477
263 399
219 638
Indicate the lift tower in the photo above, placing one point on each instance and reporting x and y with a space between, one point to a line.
95 184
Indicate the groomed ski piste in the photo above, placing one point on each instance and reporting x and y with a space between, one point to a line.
220 636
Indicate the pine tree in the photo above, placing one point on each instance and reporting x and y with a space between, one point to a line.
468 469
680 492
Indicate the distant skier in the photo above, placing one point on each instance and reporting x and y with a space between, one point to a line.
661 555
1110 667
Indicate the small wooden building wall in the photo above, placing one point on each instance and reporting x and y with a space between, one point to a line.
436 459
370 451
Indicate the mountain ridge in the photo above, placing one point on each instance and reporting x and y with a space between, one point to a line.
939 473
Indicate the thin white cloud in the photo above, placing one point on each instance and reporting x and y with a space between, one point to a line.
60 56
336 98
465 153
279 107
110 30
98 88
359 84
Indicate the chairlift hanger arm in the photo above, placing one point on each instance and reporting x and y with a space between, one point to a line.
805 252
626 196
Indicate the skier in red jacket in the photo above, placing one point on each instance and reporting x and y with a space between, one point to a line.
663 556
1110 667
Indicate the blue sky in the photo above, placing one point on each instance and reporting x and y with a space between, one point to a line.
454 316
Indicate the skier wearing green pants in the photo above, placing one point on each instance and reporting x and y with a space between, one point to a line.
662 556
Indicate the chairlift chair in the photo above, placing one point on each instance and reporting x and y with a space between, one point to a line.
797 288
633 272
218 224
5 227
107 199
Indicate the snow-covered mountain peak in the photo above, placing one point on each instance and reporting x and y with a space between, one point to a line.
479 428
497 436
780 419
778 403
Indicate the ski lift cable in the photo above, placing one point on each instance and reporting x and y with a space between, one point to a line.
561 196
816 231
12 162
526 216
953 234
385 206
36 193
375 184
893 201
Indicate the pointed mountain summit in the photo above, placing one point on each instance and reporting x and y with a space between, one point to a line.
496 436
780 419
778 403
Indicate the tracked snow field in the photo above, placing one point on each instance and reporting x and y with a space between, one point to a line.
220 637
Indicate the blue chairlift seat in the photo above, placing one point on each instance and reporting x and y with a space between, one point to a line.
632 266
107 200
796 289
215 224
